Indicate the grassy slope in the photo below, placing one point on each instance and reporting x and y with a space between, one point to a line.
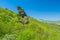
35 30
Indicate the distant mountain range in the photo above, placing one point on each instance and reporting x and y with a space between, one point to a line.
55 22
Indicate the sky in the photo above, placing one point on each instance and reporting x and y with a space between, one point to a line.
39 9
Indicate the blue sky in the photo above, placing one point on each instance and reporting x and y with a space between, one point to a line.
39 9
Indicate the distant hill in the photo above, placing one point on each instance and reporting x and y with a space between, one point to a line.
57 22
54 22
11 29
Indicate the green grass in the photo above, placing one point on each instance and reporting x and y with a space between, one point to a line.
11 29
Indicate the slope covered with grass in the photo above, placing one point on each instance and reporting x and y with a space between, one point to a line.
11 29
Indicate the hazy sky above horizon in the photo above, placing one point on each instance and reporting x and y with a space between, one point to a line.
40 9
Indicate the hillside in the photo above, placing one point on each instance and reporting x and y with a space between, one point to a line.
11 29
